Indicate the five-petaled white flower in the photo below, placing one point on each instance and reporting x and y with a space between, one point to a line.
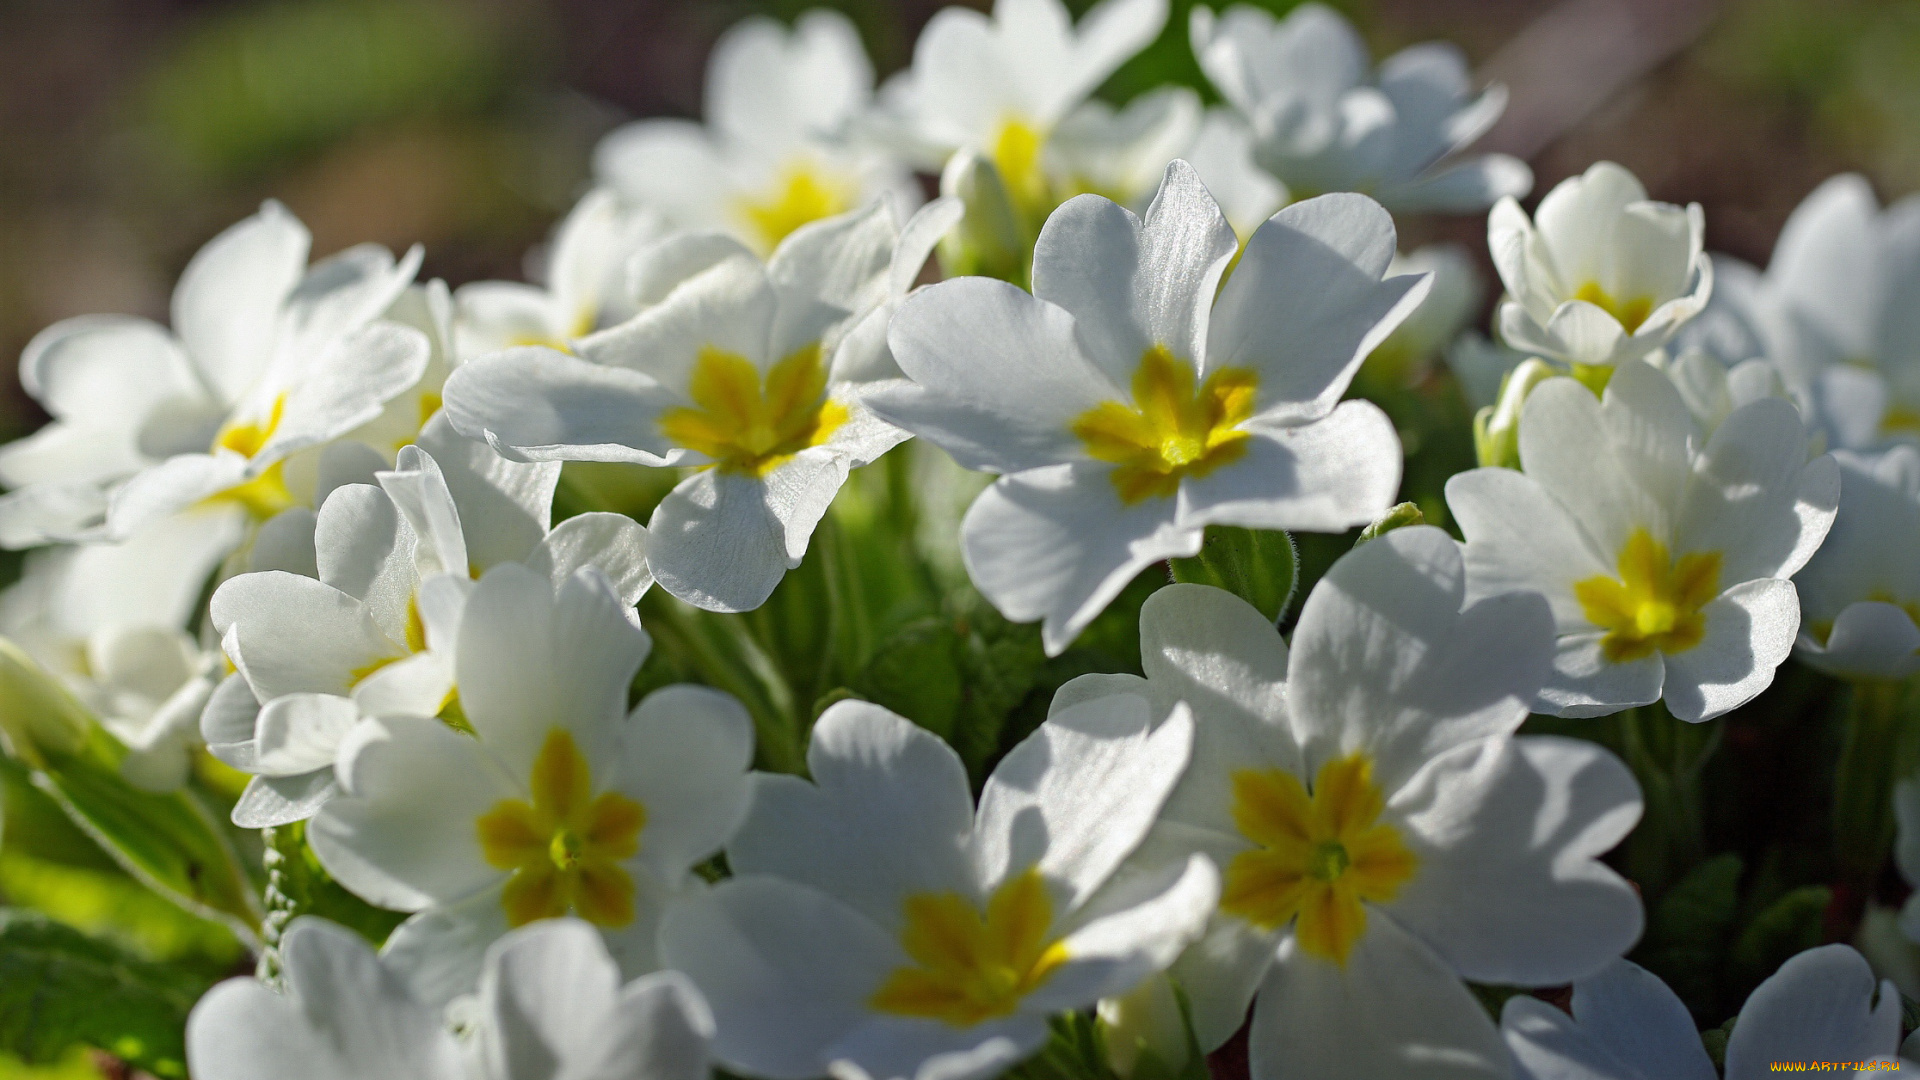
361 617
1127 408
1600 274
1665 556
882 927
550 1005
1625 1024
1860 593
1324 121
776 152
753 372
222 418
1381 834
549 799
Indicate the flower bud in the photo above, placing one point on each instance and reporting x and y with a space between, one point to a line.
37 715
989 239
1496 428
1144 1023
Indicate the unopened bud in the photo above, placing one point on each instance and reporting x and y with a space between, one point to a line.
989 239
37 715
1496 428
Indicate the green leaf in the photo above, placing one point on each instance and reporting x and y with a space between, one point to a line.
1688 929
1715 1042
169 842
917 673
1792 924
1256 566
59 987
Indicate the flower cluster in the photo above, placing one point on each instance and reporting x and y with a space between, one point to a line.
329 547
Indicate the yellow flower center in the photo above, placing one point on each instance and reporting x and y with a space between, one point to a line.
1655 604
1318 855
566 846
802 194
968 968
266 494
1630 312
1172 430
747 427
1017 153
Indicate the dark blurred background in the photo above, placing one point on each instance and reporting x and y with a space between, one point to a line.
133 130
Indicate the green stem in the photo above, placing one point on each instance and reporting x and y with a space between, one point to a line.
1872 754
723 652
1667 756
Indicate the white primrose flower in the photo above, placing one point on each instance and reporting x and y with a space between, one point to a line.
267 358
1665 556
1839 294
551 1006
1222 153
1599 274
880 926
1712 390
753 373
1324 120
1860 592
369 625
774 153
584 282
1381 834
1126 408
1625 1024
1001 88
555 799
108 620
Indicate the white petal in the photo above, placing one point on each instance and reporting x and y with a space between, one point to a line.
403 837
999 375
1386 661
906 1048
296 635
532 660
227 305
155 577
1393 1010
1111 953
441 951
365 548
1508 833
1306 303
787 969
1324 476
1519 539
1078 795
717 540
1131 283
888 814
1755 498
1818 1007
170 488
282 800
299 733
285 542
1585 683
1750 631
684 755
1871 639
1465 187
493 316
504 505
535 404
614 544
1057 543
1625 1024
419 491
361 374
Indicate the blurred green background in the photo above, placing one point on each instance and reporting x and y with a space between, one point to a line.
133 130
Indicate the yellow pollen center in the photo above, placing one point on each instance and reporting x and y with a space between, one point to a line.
1654 606
1172 430
266 494
565 846
1630 312
1017 153
802 194
968 968
747 427
1317 856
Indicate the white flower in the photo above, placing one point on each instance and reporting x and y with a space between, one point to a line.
108 619
1222 153
1481 366
1627 1025
1600 274
773 154
753 372
1381 835
267 358
1665 556
1324 121
1861 591
1405 356
584 276
881 927
1838 294
551 1006
365 621
558 800
1712 390
1127 409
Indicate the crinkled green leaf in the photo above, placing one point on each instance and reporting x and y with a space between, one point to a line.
59 987
1688 929
1259 567
1792 924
